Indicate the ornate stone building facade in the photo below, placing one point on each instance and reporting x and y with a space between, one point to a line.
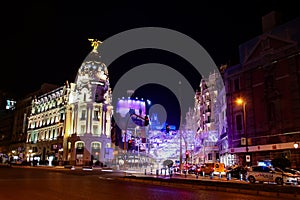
88 129
46 126
72 124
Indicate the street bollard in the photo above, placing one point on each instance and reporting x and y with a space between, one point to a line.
211 175
241 176
145 171
157 172
220 175
203 173
228 176
197 176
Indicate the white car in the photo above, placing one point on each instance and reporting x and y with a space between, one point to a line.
268 174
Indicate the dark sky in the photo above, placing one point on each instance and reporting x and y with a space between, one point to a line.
47 42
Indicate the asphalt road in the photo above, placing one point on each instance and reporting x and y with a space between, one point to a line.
35 184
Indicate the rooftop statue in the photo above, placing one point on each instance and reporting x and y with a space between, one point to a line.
95 43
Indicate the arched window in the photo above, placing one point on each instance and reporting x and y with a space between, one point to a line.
79 147
96 148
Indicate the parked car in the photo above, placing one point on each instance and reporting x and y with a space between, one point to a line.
219 168
267 174
206 169
295 172
236 171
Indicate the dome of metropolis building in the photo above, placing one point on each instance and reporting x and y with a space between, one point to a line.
92 79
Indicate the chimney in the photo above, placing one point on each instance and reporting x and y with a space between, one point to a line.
270 21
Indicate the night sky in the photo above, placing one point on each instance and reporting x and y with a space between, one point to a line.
47 42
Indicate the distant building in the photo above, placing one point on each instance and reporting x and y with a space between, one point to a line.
7 107
130 113
206 134
220 119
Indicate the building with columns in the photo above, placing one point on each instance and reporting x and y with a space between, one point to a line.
88 126
72 124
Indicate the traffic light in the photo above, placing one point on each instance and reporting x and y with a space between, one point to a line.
167 129
146 122
187 154
129 144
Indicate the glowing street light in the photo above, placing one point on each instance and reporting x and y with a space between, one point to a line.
296 145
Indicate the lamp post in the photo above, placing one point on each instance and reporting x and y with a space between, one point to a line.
180 131
242 102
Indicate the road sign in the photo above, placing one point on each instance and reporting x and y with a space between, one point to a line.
248 158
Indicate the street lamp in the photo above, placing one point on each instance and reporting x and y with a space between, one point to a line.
296 145
242 102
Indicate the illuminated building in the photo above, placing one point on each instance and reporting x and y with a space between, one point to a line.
206 136
130 114
72 124
88 127
22 112
46 126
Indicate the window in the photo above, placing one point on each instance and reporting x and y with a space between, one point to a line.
82 129
96 115
62 117
238 120
209 156
49 135
236 84
95 129
83 113
96 145
34 149
79 148
53 134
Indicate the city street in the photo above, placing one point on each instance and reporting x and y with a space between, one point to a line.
38 183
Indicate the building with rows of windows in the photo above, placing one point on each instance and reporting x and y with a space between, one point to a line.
72 123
